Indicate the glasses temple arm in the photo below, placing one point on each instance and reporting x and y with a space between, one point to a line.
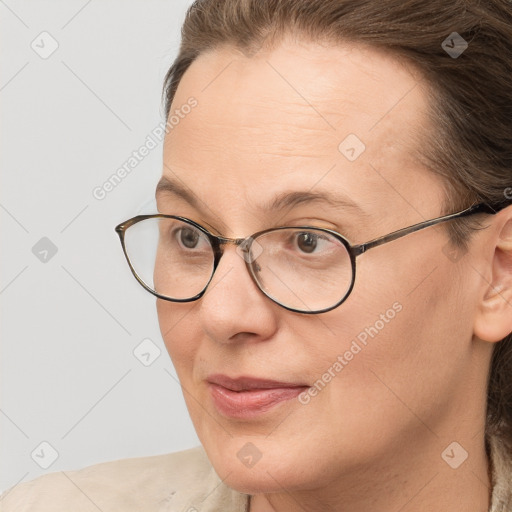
478 208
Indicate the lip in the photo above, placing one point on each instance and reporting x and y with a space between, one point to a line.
248 397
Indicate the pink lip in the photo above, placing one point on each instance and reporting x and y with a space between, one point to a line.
247 397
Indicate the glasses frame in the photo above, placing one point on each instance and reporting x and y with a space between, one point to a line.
218 242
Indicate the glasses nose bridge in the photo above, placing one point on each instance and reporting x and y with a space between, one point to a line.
243 243
224 240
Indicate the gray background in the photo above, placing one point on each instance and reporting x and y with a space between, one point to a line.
72 320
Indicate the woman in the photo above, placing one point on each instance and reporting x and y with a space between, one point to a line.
323 136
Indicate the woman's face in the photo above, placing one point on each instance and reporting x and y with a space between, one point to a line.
393 360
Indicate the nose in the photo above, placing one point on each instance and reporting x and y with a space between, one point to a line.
233 308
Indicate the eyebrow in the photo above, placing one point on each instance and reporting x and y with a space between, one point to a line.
294 198
179 190
285 200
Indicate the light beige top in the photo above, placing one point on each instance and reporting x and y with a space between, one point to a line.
177 482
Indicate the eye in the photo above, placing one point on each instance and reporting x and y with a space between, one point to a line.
307 242
190 238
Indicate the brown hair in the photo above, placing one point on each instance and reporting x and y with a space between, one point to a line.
470 139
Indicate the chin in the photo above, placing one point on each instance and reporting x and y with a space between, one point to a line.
255 465
254 482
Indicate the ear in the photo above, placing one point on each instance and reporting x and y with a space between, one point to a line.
493 320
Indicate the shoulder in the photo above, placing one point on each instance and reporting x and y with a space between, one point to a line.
162 483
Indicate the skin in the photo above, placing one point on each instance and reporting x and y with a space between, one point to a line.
372 439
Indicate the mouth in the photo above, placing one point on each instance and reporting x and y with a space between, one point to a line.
249 397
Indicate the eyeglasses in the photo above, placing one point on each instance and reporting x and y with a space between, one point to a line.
303 269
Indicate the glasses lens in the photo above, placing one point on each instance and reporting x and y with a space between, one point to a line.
171 257
306 270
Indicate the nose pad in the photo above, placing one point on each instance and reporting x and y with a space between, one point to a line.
249 250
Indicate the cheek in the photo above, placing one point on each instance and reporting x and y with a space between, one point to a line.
178 332
399 339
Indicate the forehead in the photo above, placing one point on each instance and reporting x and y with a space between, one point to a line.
289 116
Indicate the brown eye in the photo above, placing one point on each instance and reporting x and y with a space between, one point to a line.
307 242
188 238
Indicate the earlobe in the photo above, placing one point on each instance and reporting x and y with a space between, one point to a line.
493 321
